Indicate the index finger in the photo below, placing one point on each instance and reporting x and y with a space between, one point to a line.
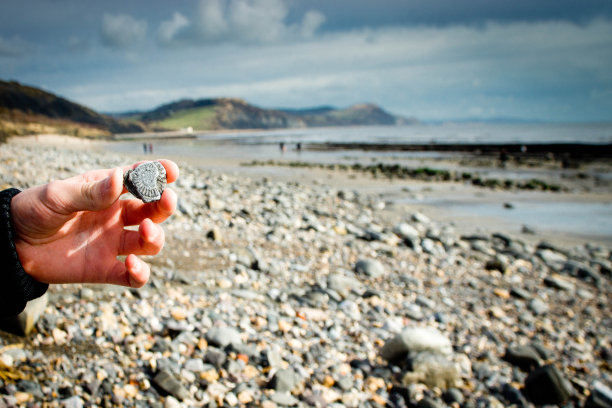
172 172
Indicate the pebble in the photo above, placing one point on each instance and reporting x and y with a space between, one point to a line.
370 267
600 396
524 357
223 336
284 380
538 306
170 384
284 399
416 339
257 295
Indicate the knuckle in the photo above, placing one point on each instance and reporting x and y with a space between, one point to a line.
51 196
87 192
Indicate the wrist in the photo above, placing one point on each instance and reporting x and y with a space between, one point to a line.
18 287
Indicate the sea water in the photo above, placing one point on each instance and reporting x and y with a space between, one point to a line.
572 217
265 144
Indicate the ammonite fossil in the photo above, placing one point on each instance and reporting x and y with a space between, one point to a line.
147 181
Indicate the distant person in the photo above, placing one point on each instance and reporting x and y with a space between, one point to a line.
145 148
298 147
150 148
73 230
503 157
282 147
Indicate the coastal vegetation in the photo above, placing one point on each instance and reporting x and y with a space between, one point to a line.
26 110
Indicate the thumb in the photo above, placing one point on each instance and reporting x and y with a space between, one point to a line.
87 196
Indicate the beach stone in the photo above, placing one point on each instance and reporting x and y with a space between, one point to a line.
557 282
195 365
538 306
214 235
429 403
370 267
146 182
284 399
524 357
172 402
215 357
272 357
546 385
453 395
420 218
223 336
497 264
601 396
520 293
342 284
581 271
87 294
72 402
215 204
514 395
554 260
284 380
431 369
31 388
425 302
168 383
408 234
416 339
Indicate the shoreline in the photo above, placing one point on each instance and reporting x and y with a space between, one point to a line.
442 200
576 151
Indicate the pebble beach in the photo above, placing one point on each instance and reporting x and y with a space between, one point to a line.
273 293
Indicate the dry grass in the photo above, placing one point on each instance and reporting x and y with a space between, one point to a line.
15 123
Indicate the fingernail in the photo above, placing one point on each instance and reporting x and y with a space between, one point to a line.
107 183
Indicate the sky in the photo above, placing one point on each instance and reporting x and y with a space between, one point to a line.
545 60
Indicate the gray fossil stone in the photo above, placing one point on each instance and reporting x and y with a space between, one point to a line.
146 182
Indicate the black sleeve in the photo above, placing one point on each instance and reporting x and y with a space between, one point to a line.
16 286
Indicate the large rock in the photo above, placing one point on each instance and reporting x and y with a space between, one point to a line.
416 339
546 385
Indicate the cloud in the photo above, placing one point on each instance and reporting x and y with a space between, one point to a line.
211 21
13 47
545 70
311 22
238 21
77 44
169 29
122 31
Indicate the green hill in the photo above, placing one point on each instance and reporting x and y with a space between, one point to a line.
232 113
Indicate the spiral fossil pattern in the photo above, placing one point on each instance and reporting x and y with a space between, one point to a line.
147 181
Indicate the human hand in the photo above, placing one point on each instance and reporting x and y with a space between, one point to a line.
71 231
